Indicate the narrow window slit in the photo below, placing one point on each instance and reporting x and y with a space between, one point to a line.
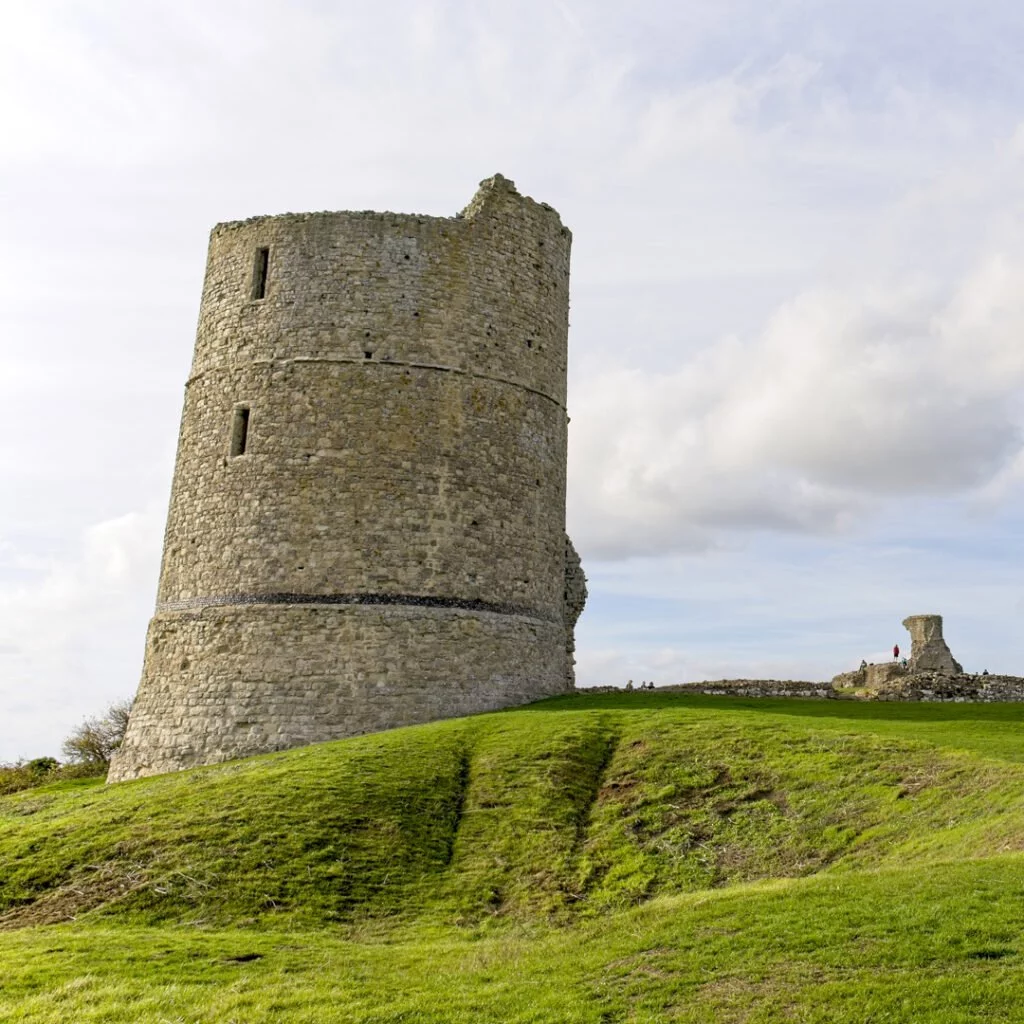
239 430
259 272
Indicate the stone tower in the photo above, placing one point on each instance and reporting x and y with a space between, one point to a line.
367 519
929 651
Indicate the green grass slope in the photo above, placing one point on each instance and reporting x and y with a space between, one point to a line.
597 858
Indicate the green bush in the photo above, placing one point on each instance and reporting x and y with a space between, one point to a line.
42 765
41 771
88 750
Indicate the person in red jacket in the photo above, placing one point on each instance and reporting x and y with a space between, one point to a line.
896 652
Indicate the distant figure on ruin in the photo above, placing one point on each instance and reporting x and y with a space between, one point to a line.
929 656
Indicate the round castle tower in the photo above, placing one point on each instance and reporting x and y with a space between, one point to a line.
367 520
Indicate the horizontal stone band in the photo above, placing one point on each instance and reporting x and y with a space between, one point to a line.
406 600
373 364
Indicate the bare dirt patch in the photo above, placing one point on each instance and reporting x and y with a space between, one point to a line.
92 887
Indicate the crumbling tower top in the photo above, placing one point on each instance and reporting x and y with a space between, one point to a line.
929 651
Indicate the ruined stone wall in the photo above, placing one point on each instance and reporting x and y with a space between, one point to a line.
900 686
943 687
872 677
389 547
754 688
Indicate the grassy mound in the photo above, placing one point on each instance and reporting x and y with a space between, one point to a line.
941 946
595 858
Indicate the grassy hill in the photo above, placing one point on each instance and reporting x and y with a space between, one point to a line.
614 857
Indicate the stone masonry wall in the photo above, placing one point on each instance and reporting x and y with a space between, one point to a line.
943 687
754 688
232 681
390 545
906 686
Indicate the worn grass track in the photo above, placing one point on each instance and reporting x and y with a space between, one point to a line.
597 858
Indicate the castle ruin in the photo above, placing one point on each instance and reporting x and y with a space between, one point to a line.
929 651
367 518
930 674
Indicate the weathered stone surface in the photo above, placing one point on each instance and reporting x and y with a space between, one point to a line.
894 684
232 681
929 652
849 680
388 546
941 686
871 679
575 600
876 676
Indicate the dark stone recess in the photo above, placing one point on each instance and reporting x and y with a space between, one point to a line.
408 600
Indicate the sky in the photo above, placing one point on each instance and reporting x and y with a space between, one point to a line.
796 380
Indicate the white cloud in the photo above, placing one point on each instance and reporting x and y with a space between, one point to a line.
842 401
796 271
72 630
668 666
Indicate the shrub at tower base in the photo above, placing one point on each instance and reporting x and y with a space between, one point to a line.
617 857
367 518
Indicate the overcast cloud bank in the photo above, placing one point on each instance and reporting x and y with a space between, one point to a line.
841 402
796 368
